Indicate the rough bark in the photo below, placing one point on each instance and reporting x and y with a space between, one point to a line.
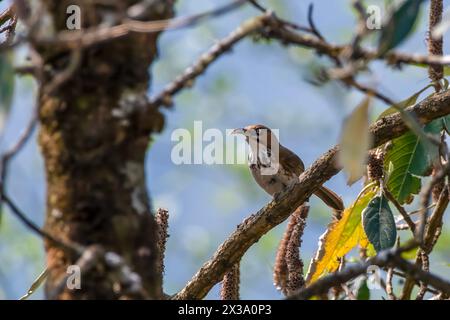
94 149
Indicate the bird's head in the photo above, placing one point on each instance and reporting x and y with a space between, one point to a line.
257 134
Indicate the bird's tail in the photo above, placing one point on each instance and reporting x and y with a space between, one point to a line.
330 198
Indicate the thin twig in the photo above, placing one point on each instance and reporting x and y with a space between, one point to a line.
390 257
36 284
199 67
89 37
414 212
312 24
400 209
66 74
425 199
435 222
425 267
33 227
389 287
7 156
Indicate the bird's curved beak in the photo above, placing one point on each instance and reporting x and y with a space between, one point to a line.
239 131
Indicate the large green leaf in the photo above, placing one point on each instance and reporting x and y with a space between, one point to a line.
410 158
399 26
379 224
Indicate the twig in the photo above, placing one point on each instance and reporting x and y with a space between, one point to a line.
257 6
333 50
283 22
425 267
389 287
411 213
30 224
385 258
431 235
274 27
88 37
400 209
425 200
435 222
36 284
199 67
64 75
275 212
7 156
367 90
312 25
8 14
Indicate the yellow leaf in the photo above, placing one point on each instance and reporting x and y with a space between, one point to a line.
355 141
365 244
371 252
341 237
364 241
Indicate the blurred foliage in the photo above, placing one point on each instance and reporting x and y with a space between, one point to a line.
27 257
7 77
399 25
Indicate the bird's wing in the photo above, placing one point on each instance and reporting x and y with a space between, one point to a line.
291 161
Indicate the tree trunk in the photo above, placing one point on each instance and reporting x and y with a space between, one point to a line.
94 143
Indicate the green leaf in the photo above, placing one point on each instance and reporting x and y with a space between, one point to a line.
353 153
379 224
403 104
399 25
363 291
410 158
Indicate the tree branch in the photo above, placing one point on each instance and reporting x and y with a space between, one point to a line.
284 204
200 66
89 37
332 50
385 258
271 26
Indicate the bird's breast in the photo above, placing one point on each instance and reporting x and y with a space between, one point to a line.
272 183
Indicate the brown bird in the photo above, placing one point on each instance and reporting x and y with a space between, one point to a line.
275 167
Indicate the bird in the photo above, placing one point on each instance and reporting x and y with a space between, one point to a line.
275 167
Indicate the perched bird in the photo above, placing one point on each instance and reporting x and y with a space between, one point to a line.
274 167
